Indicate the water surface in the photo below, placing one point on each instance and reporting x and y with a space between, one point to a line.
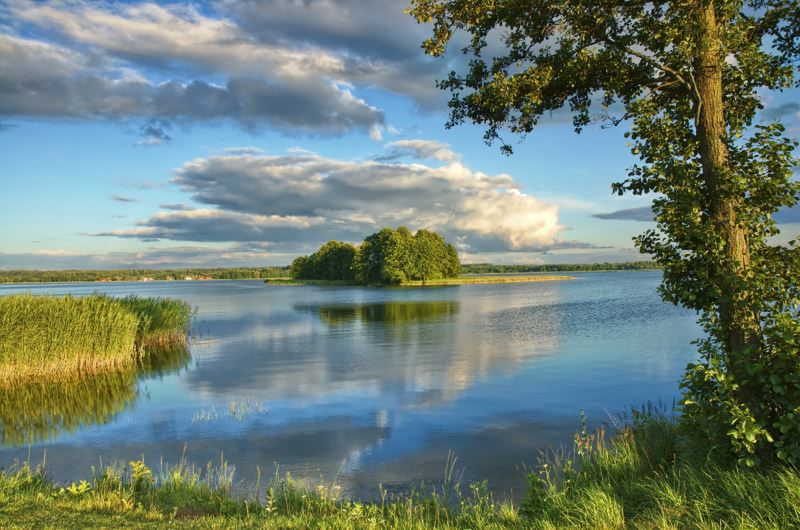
367 386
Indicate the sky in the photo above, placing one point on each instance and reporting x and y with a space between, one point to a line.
244 133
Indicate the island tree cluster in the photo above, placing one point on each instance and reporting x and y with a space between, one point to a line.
385 257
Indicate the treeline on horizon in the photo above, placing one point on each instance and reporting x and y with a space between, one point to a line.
386 257
490 268
261 273
126 275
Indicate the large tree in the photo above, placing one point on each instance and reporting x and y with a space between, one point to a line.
686 77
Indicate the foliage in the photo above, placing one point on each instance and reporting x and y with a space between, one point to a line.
644 476
57 337
398 257
124 275
687 77
333 261
385 257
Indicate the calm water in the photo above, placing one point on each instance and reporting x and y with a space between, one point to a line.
368 386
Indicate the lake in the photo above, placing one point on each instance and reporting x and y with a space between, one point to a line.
367 386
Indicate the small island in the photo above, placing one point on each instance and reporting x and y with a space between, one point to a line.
391 257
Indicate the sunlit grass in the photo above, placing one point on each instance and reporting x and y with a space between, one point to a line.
46 338
647 475
237 410
163 322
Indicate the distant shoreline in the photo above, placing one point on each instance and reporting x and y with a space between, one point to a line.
276 273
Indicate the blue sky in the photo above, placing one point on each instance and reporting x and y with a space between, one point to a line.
245 133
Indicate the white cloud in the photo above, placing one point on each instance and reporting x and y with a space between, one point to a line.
422 149
305 197
44 80
170 257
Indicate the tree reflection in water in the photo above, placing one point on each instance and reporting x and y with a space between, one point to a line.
395 312
35 412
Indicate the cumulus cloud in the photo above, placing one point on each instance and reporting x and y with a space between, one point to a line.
305 198
380 43
292 65
170 257
171 63
42 80
219 226
420 149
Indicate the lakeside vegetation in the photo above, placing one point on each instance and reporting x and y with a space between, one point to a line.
49 338
647 475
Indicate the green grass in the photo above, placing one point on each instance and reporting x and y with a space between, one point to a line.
651 475
162 321
45 338
646 476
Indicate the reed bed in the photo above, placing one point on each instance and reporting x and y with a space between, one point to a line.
49 338
163 322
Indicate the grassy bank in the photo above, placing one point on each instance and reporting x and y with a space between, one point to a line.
46 338
646 476
462 280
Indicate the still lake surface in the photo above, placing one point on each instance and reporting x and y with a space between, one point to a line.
368 386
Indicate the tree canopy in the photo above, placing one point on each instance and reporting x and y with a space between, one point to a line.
687 78
333 261
385 257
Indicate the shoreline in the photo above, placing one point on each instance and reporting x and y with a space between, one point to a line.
463 280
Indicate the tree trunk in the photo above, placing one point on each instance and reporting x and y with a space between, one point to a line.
738 324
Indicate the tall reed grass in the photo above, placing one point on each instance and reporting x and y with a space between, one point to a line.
57 337
163 322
